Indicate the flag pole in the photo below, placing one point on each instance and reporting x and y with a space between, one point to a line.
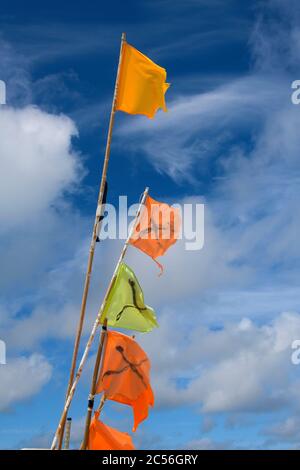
100 351
93 388
96 231
68 433
85 441
95 326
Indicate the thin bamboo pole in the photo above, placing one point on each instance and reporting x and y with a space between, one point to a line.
68 433
99 409
96 231
93 388
95 326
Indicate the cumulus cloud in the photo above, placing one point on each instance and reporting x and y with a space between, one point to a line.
23 377
39 167
40 170
240 367
37 163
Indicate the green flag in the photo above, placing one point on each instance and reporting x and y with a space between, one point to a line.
125 306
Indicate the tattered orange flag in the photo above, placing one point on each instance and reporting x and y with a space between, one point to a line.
142 84
158 229
124 375
103 437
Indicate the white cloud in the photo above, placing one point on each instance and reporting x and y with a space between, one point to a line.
198 127
37 164
239 368
21 378
206 443
284 429
55 303
39 230
14 71
282 434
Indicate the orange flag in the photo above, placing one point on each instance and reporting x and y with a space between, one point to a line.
103 437
157 230
142 84
124 375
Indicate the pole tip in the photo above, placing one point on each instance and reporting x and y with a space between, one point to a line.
123 36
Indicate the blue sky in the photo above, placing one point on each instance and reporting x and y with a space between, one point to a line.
222 373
